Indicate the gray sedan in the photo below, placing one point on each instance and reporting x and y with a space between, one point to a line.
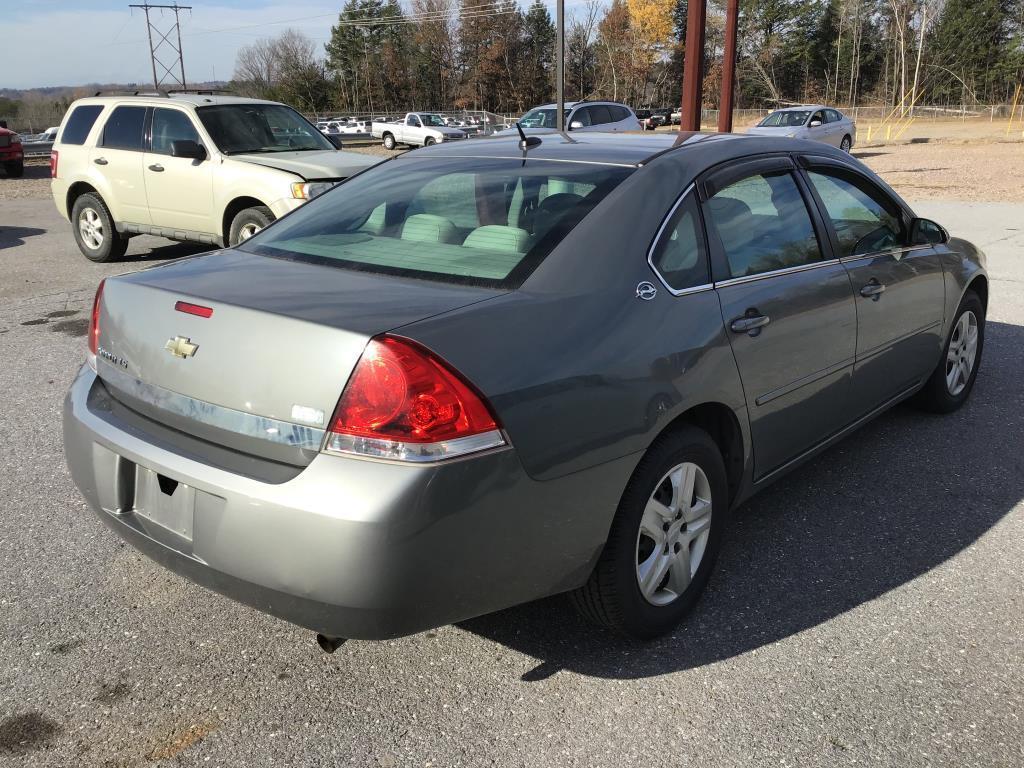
474 376
813 122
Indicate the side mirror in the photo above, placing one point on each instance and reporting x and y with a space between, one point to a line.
335 139
927 232
815 123
575 124
188 148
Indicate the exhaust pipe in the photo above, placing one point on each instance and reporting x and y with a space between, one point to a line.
329 644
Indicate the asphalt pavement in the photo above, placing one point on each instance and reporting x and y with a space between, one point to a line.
866 610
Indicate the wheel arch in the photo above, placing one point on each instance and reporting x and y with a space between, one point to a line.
979 284
78 189
232 209
721 423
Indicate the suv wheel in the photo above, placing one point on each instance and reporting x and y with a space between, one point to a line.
94 230
248 222
664 539
15 169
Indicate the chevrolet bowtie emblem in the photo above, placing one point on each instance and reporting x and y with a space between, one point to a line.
180 346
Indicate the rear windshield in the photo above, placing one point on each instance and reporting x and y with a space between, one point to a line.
787 119
461 220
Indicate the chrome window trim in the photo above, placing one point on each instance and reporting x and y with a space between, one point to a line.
654 246
228 419
887 252
776 273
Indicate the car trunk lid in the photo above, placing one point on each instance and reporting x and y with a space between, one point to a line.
264 371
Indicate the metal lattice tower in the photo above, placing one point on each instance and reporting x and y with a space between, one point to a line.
167 34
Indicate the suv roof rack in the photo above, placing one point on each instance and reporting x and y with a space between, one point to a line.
199 91
130 93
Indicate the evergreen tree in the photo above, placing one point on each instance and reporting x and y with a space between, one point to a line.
972 43
539 43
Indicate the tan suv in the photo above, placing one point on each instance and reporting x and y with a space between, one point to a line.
204 168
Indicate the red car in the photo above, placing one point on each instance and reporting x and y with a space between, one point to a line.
12 156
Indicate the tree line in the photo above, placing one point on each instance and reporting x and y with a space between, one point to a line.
383 57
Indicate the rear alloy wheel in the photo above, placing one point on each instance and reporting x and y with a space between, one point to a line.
664 539
94 230
953 378
248 222
389 141
847 144
15 169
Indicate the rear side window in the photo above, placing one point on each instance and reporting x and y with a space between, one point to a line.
459 220
599 115
763 225
833 116
679 255
123 129
80 123
619 113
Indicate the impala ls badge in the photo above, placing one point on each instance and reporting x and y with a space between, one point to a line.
646 291
180 346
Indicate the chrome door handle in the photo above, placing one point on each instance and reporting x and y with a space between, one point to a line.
100 161
751 323
873 290
156 167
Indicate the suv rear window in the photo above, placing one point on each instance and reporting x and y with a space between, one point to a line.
80 123
123 129
459 220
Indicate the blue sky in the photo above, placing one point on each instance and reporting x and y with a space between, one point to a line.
68 42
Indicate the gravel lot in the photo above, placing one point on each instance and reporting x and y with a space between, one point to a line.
866 610
990 171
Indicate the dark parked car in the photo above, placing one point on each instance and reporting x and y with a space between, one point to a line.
485 372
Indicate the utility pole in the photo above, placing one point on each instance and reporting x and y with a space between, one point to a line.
560 68
732 14
168 75
693 65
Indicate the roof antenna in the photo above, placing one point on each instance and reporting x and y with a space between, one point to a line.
526 143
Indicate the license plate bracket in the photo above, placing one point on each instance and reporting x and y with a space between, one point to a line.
164 502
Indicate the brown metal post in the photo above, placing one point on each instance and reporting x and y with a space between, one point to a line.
732 13
693 65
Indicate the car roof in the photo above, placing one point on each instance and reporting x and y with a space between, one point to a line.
803 108
195 99
632 150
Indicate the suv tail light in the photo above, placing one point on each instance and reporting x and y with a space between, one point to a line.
53 163
403 402
94 325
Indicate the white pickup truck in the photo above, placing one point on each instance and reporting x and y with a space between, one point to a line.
416 129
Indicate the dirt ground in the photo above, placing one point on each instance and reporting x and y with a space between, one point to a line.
987 170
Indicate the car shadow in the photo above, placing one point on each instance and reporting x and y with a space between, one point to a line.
15 236
168 249
890 503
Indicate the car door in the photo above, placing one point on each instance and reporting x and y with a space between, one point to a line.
179 189
118 156
818 132
787 305
899 289
412 131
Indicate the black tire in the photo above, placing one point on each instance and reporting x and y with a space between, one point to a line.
105 243
428 142
248 222
847 144
936 395
612 596
15 169
389 141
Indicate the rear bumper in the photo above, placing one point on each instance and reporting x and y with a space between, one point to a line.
349 547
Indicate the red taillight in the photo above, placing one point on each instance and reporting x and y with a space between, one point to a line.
404 402
94 323
54 155
193 309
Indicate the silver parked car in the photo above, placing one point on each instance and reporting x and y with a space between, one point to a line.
813 122
582 116
486 372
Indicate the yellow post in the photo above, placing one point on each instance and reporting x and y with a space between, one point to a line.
888 132
1013 109
869 133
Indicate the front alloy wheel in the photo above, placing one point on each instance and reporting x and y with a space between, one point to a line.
962 353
